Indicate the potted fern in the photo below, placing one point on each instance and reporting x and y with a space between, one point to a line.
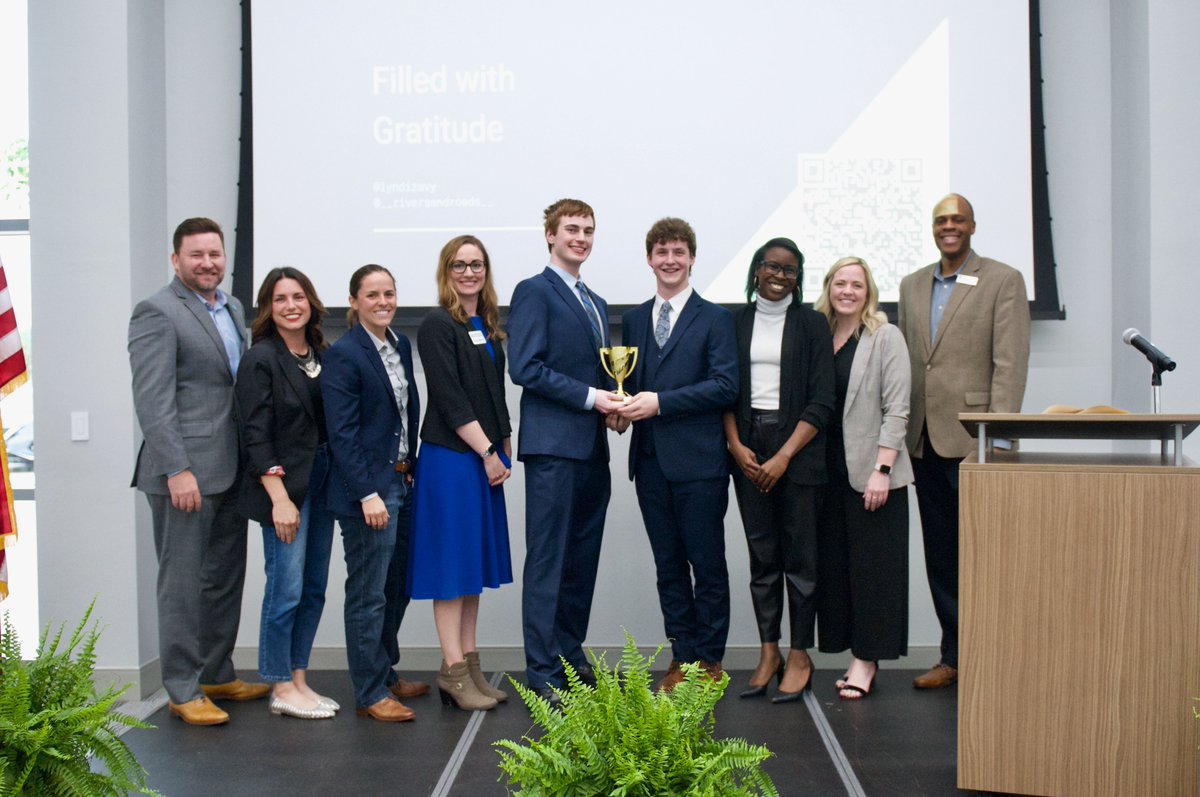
623 738
54 723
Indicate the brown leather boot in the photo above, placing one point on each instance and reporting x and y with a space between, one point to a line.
672 679
455 684
200 711
481 683
237 689
386 710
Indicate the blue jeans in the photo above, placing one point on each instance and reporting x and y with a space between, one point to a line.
376 562
294 596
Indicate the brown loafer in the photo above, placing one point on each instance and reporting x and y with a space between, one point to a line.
237 689
200 711
672 679
404 690
941 675
387 710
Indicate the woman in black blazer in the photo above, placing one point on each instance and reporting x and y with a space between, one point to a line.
459 542
286 459
786 395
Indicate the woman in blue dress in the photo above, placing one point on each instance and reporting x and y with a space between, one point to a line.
460 528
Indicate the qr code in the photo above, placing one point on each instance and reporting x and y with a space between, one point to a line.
870 208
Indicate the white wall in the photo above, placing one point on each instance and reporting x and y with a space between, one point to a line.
134 125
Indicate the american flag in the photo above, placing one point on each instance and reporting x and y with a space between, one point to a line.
12 375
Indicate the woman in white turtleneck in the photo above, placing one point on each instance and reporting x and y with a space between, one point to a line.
785 362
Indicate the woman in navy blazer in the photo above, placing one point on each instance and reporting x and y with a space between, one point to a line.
283 485
460 528
785 368
863 540
371 412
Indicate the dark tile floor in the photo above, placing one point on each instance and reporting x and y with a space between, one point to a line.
898 742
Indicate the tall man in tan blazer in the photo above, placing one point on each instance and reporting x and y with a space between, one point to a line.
966 320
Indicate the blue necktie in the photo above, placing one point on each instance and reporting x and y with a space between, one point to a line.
589 309
662 330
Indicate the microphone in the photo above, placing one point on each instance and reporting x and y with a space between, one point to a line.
1159 360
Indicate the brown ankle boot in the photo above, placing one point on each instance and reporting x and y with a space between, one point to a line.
481 683
454 683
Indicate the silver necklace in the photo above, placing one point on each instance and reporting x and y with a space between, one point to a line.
308 363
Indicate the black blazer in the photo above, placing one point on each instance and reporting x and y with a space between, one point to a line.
462 384
279 425
806 384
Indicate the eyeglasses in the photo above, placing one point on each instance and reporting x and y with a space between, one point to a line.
773 269
476 266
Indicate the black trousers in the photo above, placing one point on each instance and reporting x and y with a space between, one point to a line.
862 598
937 499
781 534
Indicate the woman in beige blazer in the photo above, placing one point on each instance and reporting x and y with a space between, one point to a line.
862 596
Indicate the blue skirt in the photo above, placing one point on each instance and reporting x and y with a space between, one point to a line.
459 539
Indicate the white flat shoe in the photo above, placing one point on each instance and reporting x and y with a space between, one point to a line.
318 712
328 702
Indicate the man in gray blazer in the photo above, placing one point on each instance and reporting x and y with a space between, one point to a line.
966 321
185 342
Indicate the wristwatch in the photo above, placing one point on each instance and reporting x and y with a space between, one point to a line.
884 469
491 449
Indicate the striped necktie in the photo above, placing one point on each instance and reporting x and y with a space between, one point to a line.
589 309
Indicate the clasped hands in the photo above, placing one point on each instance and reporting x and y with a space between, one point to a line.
763 475
619 414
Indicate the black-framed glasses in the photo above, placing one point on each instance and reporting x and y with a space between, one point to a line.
476 266
774 269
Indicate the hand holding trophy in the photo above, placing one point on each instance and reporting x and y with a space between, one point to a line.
618 362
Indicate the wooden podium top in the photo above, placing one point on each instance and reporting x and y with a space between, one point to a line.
1054 426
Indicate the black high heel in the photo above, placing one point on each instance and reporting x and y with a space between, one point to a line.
781 696
759 691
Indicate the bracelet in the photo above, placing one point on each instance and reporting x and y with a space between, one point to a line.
275 470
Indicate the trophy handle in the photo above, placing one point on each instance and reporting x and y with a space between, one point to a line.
604 362
632 364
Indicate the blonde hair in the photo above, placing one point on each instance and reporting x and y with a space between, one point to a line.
871 317
488 307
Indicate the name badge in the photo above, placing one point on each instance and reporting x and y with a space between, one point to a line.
967 279
477 337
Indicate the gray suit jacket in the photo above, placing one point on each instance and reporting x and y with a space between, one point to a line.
979 360
183 391
876 411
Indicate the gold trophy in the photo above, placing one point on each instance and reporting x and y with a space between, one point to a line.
618 362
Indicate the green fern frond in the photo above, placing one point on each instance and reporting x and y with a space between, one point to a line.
621 739
54 723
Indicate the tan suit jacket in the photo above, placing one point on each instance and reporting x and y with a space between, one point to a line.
876 411
979 359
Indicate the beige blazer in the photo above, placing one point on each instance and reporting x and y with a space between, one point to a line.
979 360
876 411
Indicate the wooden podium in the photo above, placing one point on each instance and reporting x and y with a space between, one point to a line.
1079 611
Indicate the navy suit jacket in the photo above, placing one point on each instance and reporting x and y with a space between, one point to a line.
361 417
553 356
696 379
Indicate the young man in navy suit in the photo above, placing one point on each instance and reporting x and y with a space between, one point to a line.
556 327
686 377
